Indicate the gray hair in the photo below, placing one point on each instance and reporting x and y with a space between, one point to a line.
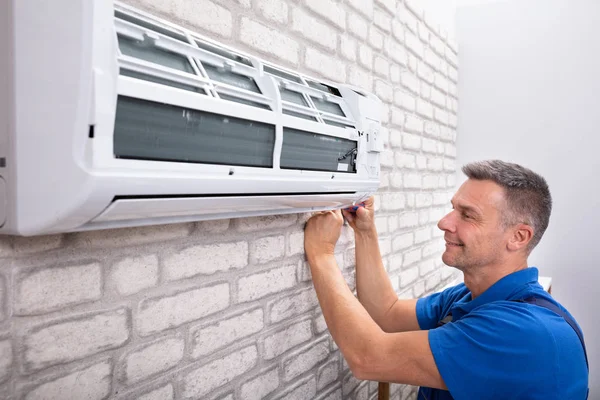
527 194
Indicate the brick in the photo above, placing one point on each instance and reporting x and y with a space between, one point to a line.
405 100
382 20
262 284
453 121
438 45
296 243
385 245
152 359
393 201
412 63
398 117
158 314
204 16
292 305
425 90
424 109
433 281
222 371
408 276
35 244
376 38
348 47
438 98
74 339
418 289
407 17
314 30
358 25
349 383
410 141
320 325
126 237
441 82
266 223
360 77
396 180
324 64
389 5
6 359
261 386
451 57
410 82
386 158
421 162
415 6
304 390
449 165
286 339
425 72
267 249
365 56
431 182
363 6
395 264
408 220
91 383
402 242
405 160
432 59
423 32
163 393
395 73
411 257
441 116
213 226
396 52
207 339
435 164
432 129
133 274
412 181
205 260
269 41
422 235
398 31
414 44
49 289
450 150
384 91
330 10
327 374
453 74
274 10
381 67
426 267
305 359
429 145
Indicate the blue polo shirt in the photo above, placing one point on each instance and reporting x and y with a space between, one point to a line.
499 348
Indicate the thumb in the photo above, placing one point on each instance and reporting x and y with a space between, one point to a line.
348 215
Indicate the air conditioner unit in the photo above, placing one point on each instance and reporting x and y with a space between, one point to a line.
113 117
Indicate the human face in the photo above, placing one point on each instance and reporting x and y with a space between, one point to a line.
473 230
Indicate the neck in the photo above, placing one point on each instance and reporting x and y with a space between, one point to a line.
480 279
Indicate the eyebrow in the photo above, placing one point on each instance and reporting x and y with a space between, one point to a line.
464 207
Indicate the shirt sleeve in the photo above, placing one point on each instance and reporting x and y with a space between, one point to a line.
495 352
433 308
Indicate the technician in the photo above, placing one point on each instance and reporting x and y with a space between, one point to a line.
498 335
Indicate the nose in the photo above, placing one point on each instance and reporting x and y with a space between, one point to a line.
447 224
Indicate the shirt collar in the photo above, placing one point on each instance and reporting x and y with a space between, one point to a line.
511 287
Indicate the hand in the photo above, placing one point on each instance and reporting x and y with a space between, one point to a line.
363 219
321 233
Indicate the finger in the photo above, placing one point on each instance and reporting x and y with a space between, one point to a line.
348 215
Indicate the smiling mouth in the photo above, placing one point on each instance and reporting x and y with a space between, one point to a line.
454 244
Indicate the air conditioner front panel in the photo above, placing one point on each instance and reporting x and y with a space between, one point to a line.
131 209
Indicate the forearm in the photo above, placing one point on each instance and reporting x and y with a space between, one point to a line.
373 285
349 323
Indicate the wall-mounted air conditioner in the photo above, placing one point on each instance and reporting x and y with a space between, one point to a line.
112 117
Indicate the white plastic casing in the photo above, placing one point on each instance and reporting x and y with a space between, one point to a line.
61 77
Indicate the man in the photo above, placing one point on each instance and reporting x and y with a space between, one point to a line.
496 336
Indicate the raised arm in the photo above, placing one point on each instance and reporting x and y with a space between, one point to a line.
373 286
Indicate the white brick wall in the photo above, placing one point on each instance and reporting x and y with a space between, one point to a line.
225 310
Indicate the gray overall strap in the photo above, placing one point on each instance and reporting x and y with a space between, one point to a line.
555 309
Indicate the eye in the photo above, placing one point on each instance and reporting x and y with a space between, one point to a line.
467 216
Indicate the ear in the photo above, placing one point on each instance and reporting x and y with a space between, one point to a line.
520 238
